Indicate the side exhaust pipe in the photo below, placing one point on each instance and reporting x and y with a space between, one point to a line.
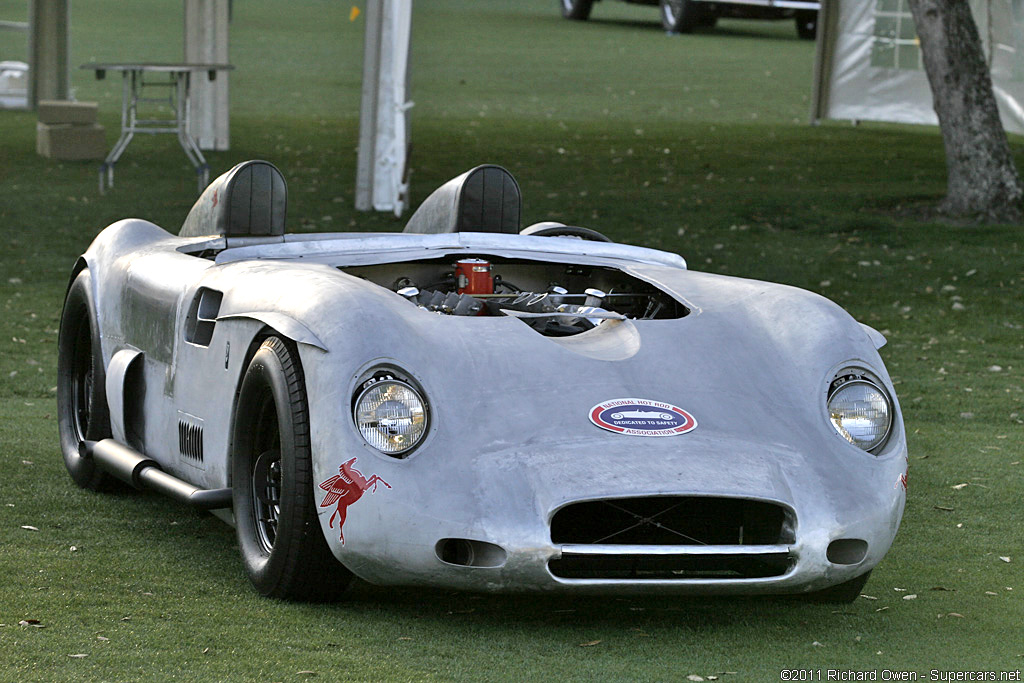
136 469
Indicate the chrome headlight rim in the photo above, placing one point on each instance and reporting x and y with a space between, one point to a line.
373 380
852 376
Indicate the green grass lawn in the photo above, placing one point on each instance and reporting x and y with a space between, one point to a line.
696 144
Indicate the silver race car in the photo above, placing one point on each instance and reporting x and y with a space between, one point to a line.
471 405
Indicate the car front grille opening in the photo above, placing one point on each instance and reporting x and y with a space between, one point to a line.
670 567
673 520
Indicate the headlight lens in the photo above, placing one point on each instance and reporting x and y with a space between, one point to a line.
391 415
860 411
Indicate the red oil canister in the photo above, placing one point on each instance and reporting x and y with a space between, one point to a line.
473 276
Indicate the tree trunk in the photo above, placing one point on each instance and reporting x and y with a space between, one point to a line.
983 180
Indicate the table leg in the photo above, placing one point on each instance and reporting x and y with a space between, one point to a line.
129 95
187 142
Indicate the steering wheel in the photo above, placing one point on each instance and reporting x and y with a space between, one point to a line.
557 230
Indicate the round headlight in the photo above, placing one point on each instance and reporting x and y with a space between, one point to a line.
391 416
860 411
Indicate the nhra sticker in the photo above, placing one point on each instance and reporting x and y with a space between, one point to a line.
642 417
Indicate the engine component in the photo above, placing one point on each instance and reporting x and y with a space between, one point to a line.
451 303
473 276
595 297
554 299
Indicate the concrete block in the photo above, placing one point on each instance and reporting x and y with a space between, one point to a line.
71 142
61 111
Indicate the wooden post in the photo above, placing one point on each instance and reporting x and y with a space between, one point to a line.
206 42
49 51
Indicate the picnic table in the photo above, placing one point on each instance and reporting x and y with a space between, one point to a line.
177 80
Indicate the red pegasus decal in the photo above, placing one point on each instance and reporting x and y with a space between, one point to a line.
345 488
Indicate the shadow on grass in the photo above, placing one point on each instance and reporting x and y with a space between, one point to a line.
710 31
598 611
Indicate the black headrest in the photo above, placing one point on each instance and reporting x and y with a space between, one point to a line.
250 200
484 199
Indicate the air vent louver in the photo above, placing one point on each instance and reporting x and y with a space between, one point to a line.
190 440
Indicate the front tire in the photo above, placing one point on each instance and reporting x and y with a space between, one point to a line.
680 16
82 412
576 9
279 536
807 24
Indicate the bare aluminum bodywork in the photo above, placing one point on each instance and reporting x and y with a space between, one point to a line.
509 442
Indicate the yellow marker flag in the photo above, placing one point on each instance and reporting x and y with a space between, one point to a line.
353 14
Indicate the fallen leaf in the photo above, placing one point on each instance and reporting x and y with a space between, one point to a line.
26 527
944 509
817 644
30 622
960 486
405 638
991 593
103 638
78 656
955 614
590 643
941 588
881 609
1004 558
912 596
694 677
868 597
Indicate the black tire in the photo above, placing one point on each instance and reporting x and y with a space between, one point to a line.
567 231
681 16
842 593
576 9
279 536
807 24
82 411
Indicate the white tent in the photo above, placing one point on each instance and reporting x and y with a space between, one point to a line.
869 67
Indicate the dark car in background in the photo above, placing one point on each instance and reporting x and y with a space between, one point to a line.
682 16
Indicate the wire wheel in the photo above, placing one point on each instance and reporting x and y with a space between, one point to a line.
82 382
266 497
